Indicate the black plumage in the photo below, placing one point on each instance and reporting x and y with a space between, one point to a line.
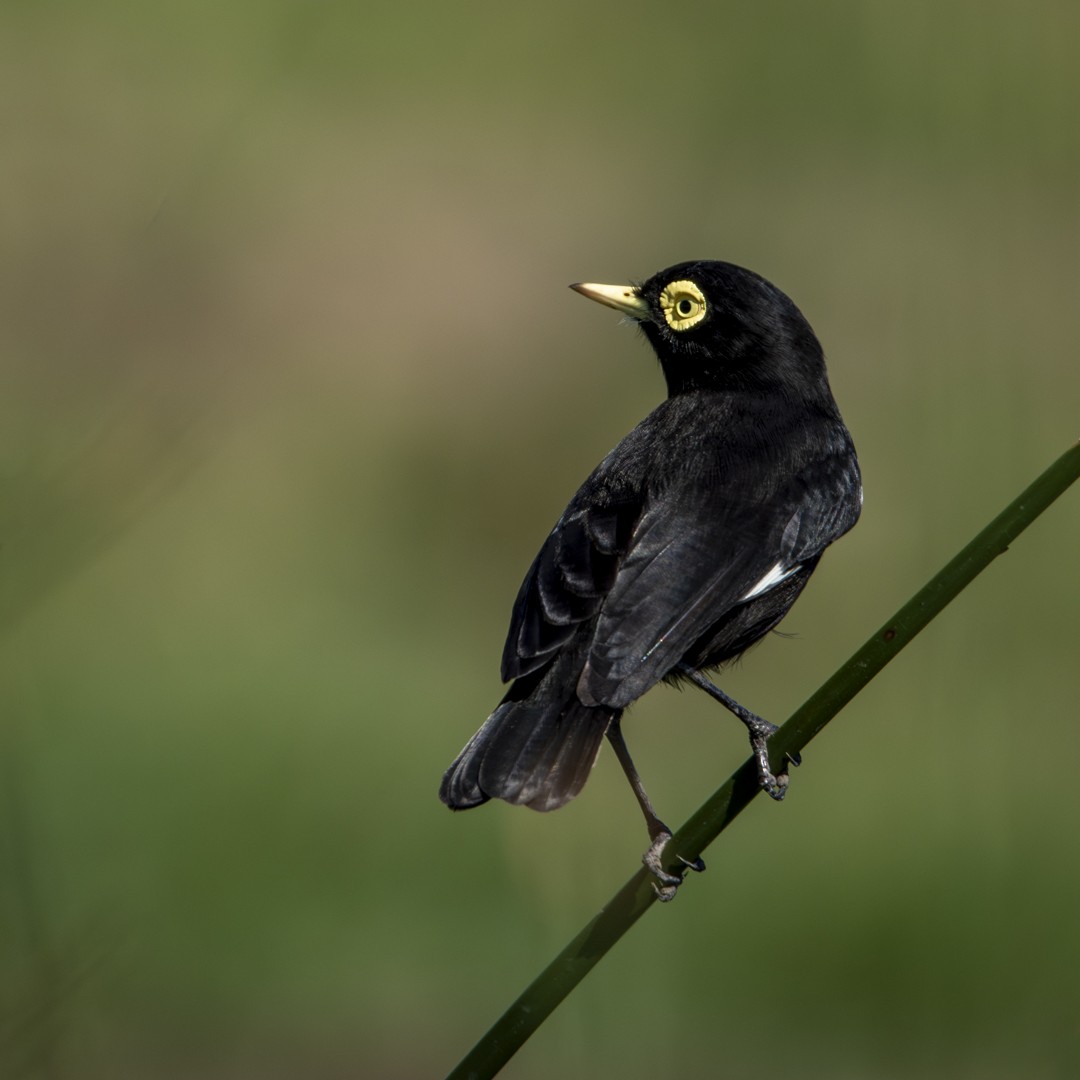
687 544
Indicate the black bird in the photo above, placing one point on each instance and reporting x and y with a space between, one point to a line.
687 544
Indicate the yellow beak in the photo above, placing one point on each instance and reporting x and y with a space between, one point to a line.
623 298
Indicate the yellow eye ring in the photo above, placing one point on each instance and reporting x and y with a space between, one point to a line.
683 304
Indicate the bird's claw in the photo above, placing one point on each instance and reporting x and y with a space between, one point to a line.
667 884
774 785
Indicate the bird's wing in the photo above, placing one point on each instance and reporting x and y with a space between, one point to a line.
692 557
568 581
647 557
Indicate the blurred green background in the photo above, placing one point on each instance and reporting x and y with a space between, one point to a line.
293 388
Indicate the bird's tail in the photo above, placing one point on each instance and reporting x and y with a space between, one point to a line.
536 749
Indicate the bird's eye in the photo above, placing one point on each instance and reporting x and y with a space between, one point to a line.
683 304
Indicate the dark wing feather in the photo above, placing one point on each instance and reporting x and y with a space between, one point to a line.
696 554
567 582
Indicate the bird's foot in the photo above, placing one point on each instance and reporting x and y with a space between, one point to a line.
667 884
774 785
760 732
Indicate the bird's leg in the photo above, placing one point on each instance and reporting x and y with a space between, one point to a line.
760 730
659 833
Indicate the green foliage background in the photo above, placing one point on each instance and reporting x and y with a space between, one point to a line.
292 389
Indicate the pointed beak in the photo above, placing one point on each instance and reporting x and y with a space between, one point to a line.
624 298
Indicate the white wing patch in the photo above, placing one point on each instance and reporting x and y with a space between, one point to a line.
773 578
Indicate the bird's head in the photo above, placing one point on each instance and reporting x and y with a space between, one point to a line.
716 326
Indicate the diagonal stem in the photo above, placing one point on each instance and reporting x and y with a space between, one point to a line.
557 980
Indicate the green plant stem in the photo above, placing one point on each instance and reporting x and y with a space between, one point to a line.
556 981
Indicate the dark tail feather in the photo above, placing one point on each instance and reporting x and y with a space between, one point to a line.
536 749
